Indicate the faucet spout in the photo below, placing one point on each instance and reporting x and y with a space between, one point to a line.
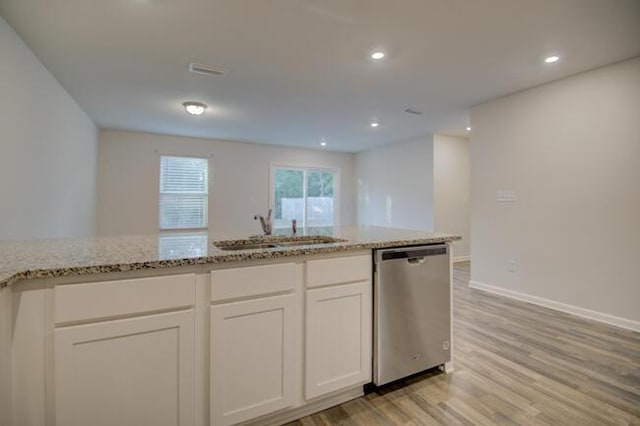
266 223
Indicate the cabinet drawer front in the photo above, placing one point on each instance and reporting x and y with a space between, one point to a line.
252 281
338 270
81 302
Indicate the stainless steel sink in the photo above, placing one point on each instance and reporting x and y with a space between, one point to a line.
246 246
274 242
302 243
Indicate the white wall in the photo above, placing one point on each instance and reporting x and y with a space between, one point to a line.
452 190
128 180
48 150
395 185
571 150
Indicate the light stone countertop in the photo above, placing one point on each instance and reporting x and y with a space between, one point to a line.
22 260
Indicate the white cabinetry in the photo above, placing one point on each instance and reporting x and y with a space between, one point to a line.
6 317
253 341
338 324
111 370
285 339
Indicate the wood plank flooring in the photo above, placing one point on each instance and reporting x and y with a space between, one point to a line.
515 364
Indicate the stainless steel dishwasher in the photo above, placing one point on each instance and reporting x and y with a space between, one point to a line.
412 311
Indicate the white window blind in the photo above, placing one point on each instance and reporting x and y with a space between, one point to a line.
184 189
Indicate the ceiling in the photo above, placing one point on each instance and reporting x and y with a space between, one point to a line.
299 71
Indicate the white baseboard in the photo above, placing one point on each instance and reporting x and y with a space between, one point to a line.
558 306
461 259
322 403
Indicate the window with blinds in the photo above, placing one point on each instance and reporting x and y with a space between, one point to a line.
184 192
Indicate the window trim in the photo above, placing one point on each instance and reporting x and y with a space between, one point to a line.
305 169
207 157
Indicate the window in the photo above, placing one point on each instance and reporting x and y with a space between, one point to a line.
182 244
307 195
184 189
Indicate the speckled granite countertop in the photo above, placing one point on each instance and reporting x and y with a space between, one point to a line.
22 260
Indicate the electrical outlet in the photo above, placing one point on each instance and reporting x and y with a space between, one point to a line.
512 265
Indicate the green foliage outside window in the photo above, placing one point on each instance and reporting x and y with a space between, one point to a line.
320 184
289 183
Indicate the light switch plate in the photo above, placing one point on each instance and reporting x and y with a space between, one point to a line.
506 196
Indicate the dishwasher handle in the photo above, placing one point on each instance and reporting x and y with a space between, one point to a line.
412 254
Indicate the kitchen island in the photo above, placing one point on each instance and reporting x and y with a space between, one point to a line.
171 329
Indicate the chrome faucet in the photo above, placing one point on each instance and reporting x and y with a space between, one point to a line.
265 223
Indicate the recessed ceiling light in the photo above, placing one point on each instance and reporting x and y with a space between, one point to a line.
377 55
552 59
468 128
194 108
375 124
323 144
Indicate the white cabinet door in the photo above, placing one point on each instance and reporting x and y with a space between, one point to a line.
128 372
253 349
338 338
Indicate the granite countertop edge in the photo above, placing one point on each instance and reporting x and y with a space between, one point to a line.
9 278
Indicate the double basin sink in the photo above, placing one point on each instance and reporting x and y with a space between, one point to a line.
275 242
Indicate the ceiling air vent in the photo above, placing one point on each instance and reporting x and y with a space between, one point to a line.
207 69
413 111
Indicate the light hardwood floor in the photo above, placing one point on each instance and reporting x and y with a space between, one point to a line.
515 364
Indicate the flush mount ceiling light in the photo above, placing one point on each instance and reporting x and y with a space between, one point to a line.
551 59
194 108
468 128
374 124
323 143
377 55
